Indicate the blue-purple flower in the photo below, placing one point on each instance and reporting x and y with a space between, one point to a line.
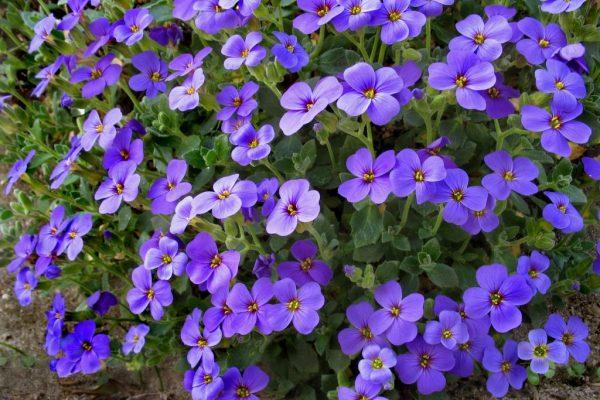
289 53
397 21
483 39
25 283
17 170
104 73
185 97
151 78
532 267
372 176
241 51
561 214
167 258
146 293
101 130
504 369
164 192
296 305
227 197
84 348
121 185
316 13
135 339
297 203
208 266
411 174
134 23
234 102
306 268
572 334
564 85
376 363
509 175
542 42
540 352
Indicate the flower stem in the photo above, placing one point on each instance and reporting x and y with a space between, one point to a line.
375 44
382 51
369 135
405 210
317 50
360 46
499 135
134 100
311 229
272 168
428 37
438 221
429 129
14 348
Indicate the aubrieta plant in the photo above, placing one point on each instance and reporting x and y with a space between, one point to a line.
343 199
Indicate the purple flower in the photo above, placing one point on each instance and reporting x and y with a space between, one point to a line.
499 295
376 363
296 203
542 42
66 101
62 170
134 23
356 14
241 51
101 130
363 390
263 265
485 40
482 220
459 196
42 31
303 104
469 351
289 53
102 29
354 339
497 103
85 348
200 343
208 266
410 174
73 230
434 148
591 167
46 75
540 352
450 331
145 293
24 251
206 382
266 194
397 319
559 127
557 78
56 314
296 305
573 54
251 145
504 369
372 178
135 339
123 150
50 234
169 34
103 74
424 364
212 18
220 314
560 6
250 307
306 268
240 387
17 170
70 20
166 258
185 211
410 72
509 175
227 197
561 214
371 92
316 14
465 72
234 124
397 21
237 102
185 64
572 334
25 283
122 184
166 191
532 268
101 301
186 97
431 8
153 73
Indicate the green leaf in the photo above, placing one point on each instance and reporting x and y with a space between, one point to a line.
336 60
124 217
367 226
337 360
432 247
441 275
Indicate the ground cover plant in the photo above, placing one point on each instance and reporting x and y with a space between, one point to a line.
352 199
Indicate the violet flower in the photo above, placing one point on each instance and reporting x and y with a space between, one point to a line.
263 265
101 130
251 145
431 8
372 177
297 203
561 214
41 33
185 97
466 353
145 293
483 39
572 334
25 283
206 383
240 386
504 369
132 30
497 103
221 314
352 340
169 34
483 219
559 127
499 295
46 75
465 72
250 307
17 170
355 14
591 167
84 348
540 352
307 268
241 51
363 390
135 339
167 258
459 196
212 18
410 72
164 192
265 192
397 320
50 234
316 14
532 269
208 266
227 197
233 125
153 73
102 30
376 363
542 42
560 6
70 20
434 149
424 364
186 64
237 102
450 331
509 175
296 305
103 74
62 170
122 150
121 185
24 252
185 211
564 85
201 343
410 174
289 53
101 301
371 92
303 104
397 21
73 230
